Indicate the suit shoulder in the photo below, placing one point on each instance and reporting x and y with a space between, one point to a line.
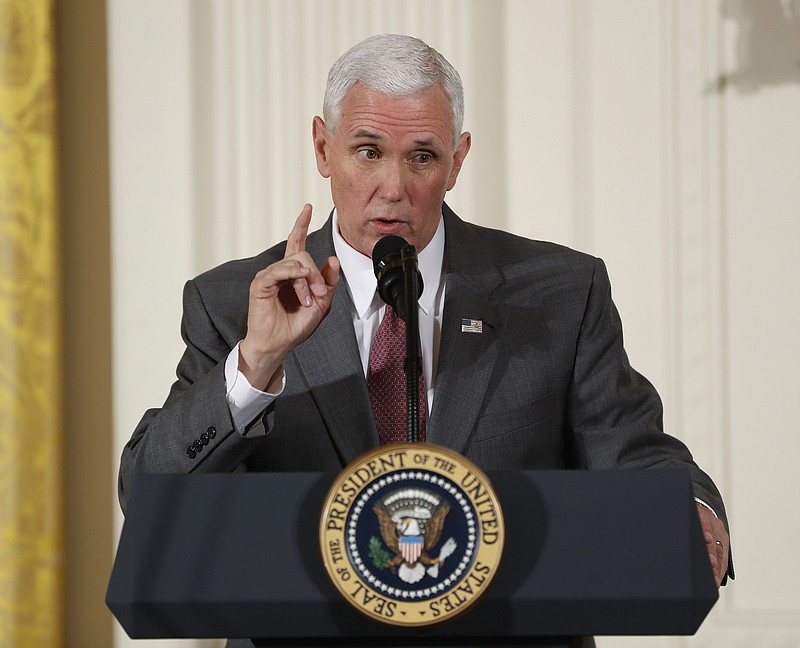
509 249
221 295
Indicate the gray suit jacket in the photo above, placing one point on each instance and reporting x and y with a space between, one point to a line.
546 385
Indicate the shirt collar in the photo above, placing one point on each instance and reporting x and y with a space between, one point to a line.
360 276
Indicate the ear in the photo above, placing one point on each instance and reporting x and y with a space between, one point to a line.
464 144
321 139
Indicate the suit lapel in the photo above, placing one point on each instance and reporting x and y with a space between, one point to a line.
466 360
330 364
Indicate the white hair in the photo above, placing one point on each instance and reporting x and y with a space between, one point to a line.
394 65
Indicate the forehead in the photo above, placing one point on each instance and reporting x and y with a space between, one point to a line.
424 116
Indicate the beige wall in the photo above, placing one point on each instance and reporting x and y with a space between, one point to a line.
658 134
85 245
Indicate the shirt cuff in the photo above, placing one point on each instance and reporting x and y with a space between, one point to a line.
245 401
702 503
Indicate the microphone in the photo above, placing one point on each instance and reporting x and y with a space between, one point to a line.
400 285
392 258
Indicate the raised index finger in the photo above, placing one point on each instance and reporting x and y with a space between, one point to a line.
296 242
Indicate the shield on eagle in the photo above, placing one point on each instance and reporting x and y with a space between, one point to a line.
411 548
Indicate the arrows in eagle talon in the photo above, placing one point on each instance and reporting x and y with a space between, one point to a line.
448 548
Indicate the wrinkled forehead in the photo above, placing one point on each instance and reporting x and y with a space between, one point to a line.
425 116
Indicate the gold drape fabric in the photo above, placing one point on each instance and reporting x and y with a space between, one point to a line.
31 535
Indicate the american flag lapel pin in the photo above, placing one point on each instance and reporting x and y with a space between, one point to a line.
471 325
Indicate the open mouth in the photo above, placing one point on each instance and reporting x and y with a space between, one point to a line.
387 223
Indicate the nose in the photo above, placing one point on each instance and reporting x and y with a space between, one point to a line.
392 182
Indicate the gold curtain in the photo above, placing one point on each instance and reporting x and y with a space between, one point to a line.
31 535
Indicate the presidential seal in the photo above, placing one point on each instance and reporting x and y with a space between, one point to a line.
411 534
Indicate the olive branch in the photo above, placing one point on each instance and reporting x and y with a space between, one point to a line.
380 557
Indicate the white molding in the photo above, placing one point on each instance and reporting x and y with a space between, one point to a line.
259 81
583 214
210 109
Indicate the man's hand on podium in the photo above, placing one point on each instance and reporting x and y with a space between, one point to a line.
716 538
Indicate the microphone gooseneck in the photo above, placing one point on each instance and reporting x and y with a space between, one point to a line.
400 285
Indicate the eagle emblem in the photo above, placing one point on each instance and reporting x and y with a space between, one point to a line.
411 521
411 533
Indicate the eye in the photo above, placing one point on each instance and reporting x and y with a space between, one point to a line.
368 153
423 158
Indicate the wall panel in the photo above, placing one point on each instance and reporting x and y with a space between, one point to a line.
658 134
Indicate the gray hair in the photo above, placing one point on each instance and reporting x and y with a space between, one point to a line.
395 65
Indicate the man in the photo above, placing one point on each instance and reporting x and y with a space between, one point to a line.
275 371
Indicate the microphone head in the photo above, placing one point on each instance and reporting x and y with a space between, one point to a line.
385 250
388 265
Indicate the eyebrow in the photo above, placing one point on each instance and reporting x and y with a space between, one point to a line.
427 142
363 133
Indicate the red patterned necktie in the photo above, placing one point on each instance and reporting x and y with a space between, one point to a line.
386 381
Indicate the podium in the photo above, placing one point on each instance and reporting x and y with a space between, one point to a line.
237 555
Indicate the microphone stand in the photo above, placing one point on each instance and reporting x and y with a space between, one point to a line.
412 365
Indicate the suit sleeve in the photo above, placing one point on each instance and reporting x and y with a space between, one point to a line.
614 414
193 430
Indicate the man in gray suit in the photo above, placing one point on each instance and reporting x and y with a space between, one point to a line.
522 346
